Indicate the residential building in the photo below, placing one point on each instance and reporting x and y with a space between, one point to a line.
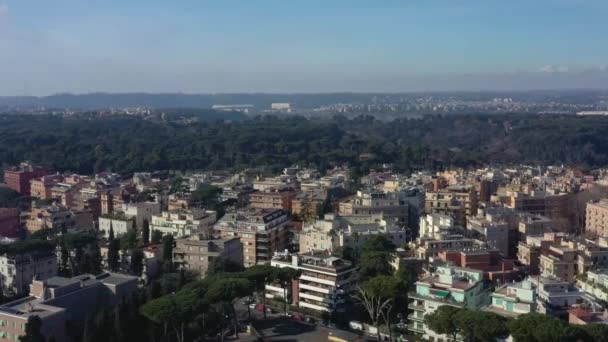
65 193
447 285
55 217
61 302
596 217
42 187
495 233
434 225
197 252
595 283
275 199
9 223
18 270
513 299
306 204
18 178
555 297
427 248
458 201
141 212
323 285
118 222
392 205
582 316
262 232
182 222
486 259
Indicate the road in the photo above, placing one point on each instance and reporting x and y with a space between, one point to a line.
282 329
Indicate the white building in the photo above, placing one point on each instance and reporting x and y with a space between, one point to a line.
448 285
119 223
18 271
323 284
183 222
141 212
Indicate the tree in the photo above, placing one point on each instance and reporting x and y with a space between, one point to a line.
145 232
479 326
597 332
542 328
137 262
259 275
32 330
128 240
443 321
157 237
377 295
376 257
113 247
224 265
227 290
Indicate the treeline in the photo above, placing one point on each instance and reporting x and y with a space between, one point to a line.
126 144
479 326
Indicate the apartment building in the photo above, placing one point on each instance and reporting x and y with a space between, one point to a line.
392 205
55 217
427 248
306 204
118 222
486 259
555 296
197 252
61 302
42 187
595 283
436 201
514 299
596 217
18 270
262 232
568 258
182 222
18 178
274 199
447 285
141 212
494 232
323 285
435 225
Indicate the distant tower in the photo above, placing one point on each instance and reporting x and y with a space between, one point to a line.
107 203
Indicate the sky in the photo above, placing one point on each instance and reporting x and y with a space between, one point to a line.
210 46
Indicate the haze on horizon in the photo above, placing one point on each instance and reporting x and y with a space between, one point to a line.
210 46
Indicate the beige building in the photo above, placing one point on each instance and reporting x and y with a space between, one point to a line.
42 187
197 252
596 218
392 205
18 271
262 232
182 222
457 201
48 217
271 199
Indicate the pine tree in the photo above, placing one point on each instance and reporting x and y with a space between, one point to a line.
113 247
145 233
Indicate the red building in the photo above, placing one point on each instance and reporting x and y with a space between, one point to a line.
18 178
486 260
9 223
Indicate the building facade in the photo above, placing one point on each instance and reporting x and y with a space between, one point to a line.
262 232
197 252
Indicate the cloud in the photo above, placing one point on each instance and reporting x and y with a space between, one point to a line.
553 69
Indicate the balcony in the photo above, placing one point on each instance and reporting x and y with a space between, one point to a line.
416 307
314 288
316 298
416 316
318 280
414 328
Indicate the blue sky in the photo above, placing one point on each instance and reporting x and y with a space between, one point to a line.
201 46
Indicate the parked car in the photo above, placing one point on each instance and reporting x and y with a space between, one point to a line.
253 306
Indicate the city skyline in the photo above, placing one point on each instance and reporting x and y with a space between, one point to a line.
297 46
